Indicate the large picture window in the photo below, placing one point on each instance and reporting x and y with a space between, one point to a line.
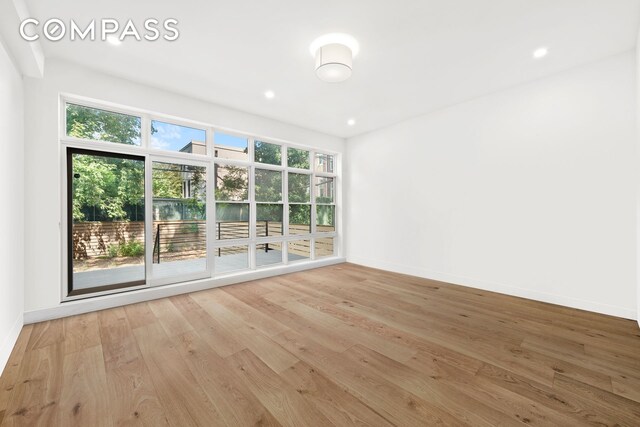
153 200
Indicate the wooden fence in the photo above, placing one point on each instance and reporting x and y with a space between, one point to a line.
183 238
93 238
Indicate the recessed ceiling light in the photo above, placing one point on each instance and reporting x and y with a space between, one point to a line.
114 40
351 122
540 52
269 94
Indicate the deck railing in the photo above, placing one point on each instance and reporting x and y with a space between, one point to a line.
183 239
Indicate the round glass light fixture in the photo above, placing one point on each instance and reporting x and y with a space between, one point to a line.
334 56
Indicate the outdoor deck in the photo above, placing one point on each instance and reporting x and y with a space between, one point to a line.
223 264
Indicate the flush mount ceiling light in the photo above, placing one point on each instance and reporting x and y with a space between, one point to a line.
351 122
269 94
334 56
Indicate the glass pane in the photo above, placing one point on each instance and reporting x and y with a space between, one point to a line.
232 183
179 219
268 186
231 258
324 163
166 136
102 125
270 154
268 253
324 189
299 188
324 247
325 218
231 146
232 221
297 158
107 230
299 250
268 220
299 219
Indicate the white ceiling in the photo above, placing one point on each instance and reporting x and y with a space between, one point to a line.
415 56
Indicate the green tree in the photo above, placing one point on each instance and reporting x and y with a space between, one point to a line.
268 185
299 188
270 154
167 181
101 125
106 185
297 158
300 214
100 183
231 183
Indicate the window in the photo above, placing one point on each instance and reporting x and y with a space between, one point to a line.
179 219
324 163
231 258
268 254
299 219
325 208
297 158
268 219
324 247
232 207
299 188
102 125
273 203
170 137
299 250
232 183
270 154
230 146
268 185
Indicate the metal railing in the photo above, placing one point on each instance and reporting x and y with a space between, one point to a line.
176 239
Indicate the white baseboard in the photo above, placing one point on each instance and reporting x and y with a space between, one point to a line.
10 342
71 308
593 306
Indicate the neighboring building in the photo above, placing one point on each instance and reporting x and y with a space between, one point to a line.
195 147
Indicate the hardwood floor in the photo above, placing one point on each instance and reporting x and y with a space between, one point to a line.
340 345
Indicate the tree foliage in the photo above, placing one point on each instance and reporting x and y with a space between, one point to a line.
231 183
102 185
297 158
106 185
112 186
270 154
101 125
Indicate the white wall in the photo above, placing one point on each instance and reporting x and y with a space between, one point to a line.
42 171
12 205
530 191
638 176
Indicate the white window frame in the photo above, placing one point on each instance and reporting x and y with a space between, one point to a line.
209 160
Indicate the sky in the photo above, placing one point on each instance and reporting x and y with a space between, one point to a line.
229 140
174 137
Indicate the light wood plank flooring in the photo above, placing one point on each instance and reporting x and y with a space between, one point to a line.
341 345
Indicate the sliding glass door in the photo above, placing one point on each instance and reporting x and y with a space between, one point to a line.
106 217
